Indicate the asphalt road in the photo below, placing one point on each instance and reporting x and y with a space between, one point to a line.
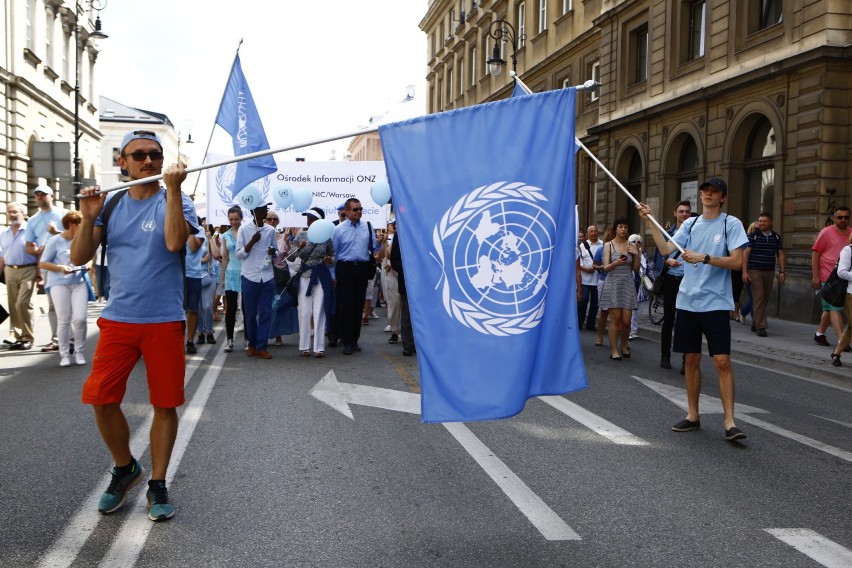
265 474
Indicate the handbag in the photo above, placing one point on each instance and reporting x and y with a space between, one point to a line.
833 292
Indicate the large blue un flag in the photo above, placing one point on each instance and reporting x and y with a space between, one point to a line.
484 198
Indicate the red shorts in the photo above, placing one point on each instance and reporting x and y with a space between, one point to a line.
119 348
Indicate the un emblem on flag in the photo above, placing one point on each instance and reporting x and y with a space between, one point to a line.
226 176
495 247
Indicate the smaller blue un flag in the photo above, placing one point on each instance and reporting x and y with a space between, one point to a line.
484 198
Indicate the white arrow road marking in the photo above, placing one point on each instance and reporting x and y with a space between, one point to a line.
340 395
848 425
815 546
593 421
710 405
65 549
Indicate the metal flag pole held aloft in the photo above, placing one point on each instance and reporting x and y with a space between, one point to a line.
589 85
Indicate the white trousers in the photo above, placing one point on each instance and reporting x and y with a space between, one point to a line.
70 303
311 307
392 298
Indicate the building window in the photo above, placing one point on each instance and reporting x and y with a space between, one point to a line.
438 93
472 60
697 27
567 6
771 13
30 24
434 46
460 76
760 170
542 16
522 25
595 75
48 38
638 55
67 56
449 86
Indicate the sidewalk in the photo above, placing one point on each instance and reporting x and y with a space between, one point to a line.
790 348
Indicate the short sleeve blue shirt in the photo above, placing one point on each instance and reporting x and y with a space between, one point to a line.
146 278
58 251
707 288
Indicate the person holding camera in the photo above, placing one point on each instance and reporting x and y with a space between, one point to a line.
620 261
257 248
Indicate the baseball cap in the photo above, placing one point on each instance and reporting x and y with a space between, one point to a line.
315 212
716 182
634 239
43 189
341 207
138 135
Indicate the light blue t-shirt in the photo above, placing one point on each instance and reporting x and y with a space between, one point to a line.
37 225
193 259
146 279
706 288
58 251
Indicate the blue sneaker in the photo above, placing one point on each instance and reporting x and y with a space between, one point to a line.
115 495
159 508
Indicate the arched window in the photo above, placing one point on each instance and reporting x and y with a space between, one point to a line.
759 169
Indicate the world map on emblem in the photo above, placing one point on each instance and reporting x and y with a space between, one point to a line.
502 257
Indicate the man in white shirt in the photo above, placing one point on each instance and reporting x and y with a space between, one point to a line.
589 277
257 248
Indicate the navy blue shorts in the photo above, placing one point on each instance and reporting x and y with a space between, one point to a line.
191 294
691 326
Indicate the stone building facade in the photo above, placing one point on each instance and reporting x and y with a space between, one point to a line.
756 91
38 74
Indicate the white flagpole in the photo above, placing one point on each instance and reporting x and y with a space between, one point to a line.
584 87
143 181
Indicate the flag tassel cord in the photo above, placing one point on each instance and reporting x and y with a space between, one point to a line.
586 86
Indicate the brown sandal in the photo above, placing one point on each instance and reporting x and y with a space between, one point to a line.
306 353
319 355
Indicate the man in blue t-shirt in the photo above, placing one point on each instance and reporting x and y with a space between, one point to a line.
713 246
147 231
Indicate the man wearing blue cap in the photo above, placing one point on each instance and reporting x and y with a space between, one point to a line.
147 228
41 227
713 245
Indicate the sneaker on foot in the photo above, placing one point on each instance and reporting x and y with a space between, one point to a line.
115 495
191 348
229 345
388 328
210 339
201 339
394 338
65 362
821 340
79 359
159 508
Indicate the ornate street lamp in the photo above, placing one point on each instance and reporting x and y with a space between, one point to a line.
503 31
80 11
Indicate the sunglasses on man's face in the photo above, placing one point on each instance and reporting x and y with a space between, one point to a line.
139 155
357 209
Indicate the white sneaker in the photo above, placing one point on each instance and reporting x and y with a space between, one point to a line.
229 345
79 359
374 316
65 362
387 329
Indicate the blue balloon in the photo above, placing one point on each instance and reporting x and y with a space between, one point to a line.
320 231
302 198
380 192
282 196
249 197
